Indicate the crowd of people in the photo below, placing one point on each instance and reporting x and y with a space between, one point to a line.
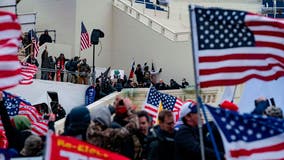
121 128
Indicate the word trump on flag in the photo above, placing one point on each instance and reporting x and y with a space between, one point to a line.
69 148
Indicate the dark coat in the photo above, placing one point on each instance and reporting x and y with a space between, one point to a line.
44 38
32 61
187 145
139 75
161 145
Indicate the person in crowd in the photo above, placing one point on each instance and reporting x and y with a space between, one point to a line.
33 146
57 110
184 83
187 140
60 66
117 84
42 109
261 104
161 138
26 41
45 37
146 76
72 66
174 84
45 64
122 138
161 85
32 60
51 67
84 71
144 129
273 111
77 123
18 129
139 74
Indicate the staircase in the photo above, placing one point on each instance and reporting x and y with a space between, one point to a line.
173 21
138 11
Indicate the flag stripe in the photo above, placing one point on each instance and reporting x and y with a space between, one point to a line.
10 26
245 152
268 33
240 56
240 69
28 72
169 102
14 103
10 32
235 65
247 136
84 38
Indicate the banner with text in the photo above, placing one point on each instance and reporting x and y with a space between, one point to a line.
69 148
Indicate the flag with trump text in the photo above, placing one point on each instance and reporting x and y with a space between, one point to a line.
17 106
249 136
70 148
232 47
10 67
84 38
156 100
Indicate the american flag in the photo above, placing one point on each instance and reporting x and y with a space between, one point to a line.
131 74
168 102
233 47
28 72
249 136
10 67
35 42
17 106
84 39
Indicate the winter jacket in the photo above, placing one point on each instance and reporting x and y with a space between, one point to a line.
187 145
160 145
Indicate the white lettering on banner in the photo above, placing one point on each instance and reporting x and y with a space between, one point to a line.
75 156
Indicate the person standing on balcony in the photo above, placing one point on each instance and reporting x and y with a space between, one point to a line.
44 64
139 74
84 71
45 37
32 60
60 66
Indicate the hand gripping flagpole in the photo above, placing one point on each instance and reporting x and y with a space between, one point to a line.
193 42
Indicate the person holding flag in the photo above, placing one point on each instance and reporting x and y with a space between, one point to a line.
187 145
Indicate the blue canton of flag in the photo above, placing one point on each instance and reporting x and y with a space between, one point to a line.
169 102
12 103
227 31
154 97
232 47
249 136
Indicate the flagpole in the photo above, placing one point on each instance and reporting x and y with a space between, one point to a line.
234 93
196 84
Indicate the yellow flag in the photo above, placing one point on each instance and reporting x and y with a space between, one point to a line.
159 110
